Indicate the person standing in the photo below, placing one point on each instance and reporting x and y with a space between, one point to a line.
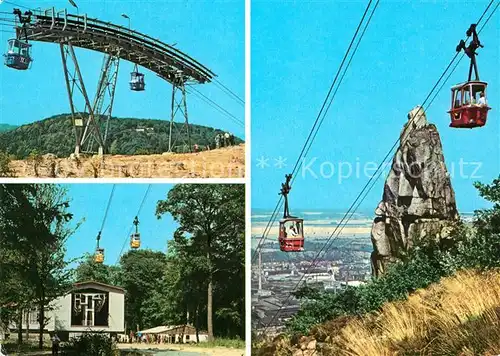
482 99
217 141
55 344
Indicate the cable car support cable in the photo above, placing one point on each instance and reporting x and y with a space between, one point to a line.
132 227
229 91
216 106
99 252
317 120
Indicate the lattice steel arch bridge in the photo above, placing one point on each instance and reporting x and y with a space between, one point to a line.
117 43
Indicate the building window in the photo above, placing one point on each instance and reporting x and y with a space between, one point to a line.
90 309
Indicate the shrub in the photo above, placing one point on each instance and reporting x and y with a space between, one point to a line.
94 344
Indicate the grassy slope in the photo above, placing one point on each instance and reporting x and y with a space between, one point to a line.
460 315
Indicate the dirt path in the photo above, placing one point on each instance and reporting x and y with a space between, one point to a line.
216 351
222 163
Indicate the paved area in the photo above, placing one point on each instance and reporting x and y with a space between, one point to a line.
183 350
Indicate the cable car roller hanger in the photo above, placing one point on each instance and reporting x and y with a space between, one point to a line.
18 55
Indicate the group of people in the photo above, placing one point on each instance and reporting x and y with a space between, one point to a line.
146 339
225 139
198 148
479 102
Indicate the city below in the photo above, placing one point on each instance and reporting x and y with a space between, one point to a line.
331 260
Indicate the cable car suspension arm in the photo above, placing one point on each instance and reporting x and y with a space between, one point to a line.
136 223
285 190
26 19
470 51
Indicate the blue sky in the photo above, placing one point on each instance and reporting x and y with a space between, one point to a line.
211 32
88 204
296 50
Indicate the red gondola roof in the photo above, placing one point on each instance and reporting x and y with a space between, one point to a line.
458 86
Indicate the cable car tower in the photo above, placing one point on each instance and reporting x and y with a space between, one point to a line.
91 119
469 107
179 110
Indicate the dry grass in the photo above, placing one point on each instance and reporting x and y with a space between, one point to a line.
458 316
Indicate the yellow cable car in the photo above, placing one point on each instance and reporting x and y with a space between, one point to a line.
99 255
135 241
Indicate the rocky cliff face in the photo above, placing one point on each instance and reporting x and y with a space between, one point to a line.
418 201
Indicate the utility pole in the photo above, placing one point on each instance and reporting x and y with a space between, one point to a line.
260 271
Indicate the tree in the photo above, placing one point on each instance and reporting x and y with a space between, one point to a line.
5 170
212 219
89 270
141 272
34 227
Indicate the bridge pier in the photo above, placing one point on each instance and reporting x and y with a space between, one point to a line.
179 110
90 125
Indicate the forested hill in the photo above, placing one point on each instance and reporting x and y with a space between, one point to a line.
6 127
127 136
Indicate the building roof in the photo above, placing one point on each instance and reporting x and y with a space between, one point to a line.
97 285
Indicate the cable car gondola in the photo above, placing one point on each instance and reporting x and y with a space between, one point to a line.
469 107
99 252
137 80
135 239
99 255
291 229
18 55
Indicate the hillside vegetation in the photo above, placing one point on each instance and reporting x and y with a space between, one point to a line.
458 312
6 127
56 135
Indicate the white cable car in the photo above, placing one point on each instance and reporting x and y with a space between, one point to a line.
18 54
137 80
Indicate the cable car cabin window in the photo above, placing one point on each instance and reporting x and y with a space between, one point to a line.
477 90
13 47
293 229
465 96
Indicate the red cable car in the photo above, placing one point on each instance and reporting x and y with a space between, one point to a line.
291 233
469 107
